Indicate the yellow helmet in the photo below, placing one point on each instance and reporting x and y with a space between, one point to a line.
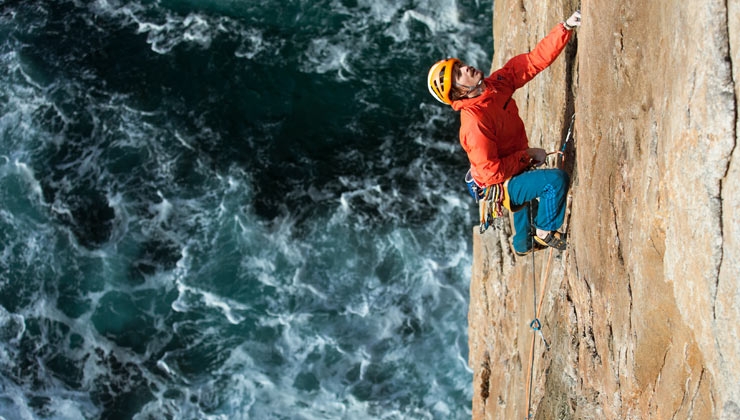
440 80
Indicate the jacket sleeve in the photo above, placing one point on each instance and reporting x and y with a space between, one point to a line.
488 167
524 67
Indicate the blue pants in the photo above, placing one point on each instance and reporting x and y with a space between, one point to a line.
551 187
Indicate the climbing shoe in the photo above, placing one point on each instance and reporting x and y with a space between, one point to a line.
535 247
553 239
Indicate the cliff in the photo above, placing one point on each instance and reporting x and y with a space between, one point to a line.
642 311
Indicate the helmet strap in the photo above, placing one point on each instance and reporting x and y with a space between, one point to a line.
472 88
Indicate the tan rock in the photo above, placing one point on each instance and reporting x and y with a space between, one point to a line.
642 310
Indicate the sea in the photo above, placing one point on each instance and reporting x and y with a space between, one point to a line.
233 209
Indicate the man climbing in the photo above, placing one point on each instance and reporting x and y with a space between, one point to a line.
493 136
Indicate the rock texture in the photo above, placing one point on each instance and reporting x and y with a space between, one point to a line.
642 311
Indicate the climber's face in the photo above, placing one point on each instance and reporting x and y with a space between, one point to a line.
466 75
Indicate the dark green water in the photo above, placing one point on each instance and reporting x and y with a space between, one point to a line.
233 209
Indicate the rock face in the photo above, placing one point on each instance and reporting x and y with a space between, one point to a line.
642 312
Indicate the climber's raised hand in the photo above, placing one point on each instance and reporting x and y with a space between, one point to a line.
573 21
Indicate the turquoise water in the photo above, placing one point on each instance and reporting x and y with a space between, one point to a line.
233 210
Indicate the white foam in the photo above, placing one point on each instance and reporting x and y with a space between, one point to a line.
12 328
325 55
13 404
28 175
383 10
161 364
66 409
166 34
400 31
197 30
162 210
227 307
182 141
362 309
302 285
252 44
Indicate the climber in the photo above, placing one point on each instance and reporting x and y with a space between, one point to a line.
493 136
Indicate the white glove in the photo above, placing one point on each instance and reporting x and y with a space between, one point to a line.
573 21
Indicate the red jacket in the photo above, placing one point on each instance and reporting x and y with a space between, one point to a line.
491 131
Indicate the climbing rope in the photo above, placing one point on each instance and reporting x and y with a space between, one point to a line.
536 324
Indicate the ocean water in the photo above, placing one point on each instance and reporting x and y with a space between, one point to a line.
233 209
